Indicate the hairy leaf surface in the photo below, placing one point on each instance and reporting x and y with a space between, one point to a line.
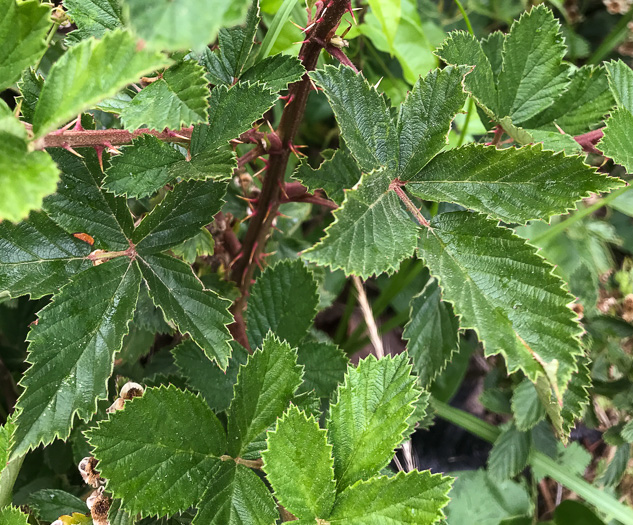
431 333
299 466
23 29
93 17
198 312
159 452
37 257
181 214
177 99
276 72
363 116
13 516
265 386
283 300
371 234
509 454
526 407
501 288
236 496
370 416
324 365
72 350
513 184
621 83
617 142
414 497
89 72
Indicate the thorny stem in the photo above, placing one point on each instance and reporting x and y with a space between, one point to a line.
328 17
90 138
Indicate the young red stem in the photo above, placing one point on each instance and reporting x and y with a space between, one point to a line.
329 15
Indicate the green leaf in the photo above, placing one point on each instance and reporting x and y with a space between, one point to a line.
26 176
335 175
198 20
232 111
236 496
617 466
283 300
362 114
478 498
50 504
532 74
78 80
501 288
200 244
181 214
576 398
617 142
159 453
79 206
72 351
299 466
142 168
461 48
425 117
30 86
371 234
13 516
414 497
6 442
93 17
580 107
276 72
388 13
526 407
265 386
570 511
217 164
206 376
621 83
37 257
324 365
23 29
512 184
509 454
178 99
235 44
370 416
198 312
431 333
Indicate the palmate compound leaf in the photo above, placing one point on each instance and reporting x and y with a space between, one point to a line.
181 214
532 75
198 21
72 350
370 416
236 496
26 176
142 168
501 288
89 72
299 465
426 115
232 111
284 301
372 232
37 257
431 333
617 142
79 206
159 453
406 498
363 116
512 184
201 313
23 29
177 99
265 386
